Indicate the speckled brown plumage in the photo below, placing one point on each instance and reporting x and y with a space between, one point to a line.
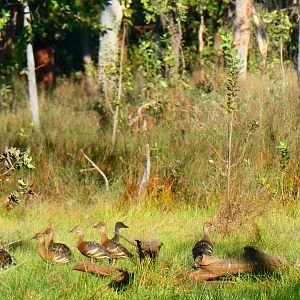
90 249
204 246
5 259
116 249
57 247
52 256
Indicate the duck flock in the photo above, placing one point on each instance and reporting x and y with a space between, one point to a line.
112 249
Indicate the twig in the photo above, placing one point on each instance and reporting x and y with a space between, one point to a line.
145 179
97 168
215 150
87 170
15 242
139 116
126 239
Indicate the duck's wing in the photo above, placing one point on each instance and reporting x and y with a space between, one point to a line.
57 257
62 249
118 250
95 250
202 247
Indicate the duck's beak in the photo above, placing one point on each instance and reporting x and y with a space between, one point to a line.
96 226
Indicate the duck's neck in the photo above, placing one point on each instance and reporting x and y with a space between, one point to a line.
80 239
117 231
50 237
206 235
42 249
104 238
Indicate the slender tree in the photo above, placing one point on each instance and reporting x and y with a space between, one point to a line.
299 50
33 96
110 20
261 37
243 13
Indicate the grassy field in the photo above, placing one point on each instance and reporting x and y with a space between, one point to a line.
185 189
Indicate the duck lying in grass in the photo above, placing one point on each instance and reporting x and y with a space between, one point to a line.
53 256
92 250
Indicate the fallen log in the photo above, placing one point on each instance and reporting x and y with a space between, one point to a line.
253 261
121 276
93 269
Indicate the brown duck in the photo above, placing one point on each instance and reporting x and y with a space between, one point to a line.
118 226
50 255
205 246
116 249
59 247
6 259
90 249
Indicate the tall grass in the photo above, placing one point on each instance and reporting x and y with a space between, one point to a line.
184 191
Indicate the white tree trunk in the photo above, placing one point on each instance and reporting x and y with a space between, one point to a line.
111 19
299 52
33 97
243 12
201 30
261 37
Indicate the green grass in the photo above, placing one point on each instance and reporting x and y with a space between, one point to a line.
178 228
185 190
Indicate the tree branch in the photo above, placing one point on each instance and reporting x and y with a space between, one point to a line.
97 168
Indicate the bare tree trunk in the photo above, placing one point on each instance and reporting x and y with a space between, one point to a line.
281 63
176 38
298 69
242 31
145 179
33 97
261 37
119 96
201 30
111 19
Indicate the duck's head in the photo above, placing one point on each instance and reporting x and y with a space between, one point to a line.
121 225
77 229
48 231
208 226
100 225
39 237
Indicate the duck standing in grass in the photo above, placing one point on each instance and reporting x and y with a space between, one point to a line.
59 247
204 246
116 249
118 226
55 257
91 250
